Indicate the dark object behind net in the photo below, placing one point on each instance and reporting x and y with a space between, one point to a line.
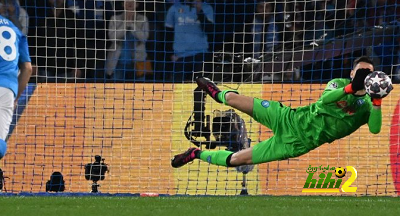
56 183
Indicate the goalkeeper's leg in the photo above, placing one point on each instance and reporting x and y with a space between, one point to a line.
227 97
221 157
271 114
273 149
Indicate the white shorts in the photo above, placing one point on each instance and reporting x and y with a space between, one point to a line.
6 111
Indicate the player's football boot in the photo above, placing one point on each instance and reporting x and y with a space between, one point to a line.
184 158
208 86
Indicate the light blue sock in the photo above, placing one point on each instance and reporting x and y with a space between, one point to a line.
3 148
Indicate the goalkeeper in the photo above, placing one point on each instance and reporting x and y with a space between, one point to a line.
343 107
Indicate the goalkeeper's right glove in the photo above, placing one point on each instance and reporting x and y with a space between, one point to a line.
358 81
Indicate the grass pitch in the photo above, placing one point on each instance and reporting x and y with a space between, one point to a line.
204 206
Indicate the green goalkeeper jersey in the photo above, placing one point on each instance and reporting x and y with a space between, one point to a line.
323 122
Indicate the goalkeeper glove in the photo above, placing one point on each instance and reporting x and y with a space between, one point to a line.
358 81
376 101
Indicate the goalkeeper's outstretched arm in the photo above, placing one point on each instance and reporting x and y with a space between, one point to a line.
375 119
355 87
333 96
375 116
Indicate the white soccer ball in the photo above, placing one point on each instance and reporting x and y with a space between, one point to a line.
378 84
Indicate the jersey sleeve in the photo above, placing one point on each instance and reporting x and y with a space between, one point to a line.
24 50
169 19
333 91
375 120
334 84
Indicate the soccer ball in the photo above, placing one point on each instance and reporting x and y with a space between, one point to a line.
378 84
340 172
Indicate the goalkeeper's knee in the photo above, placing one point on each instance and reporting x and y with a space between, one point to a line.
3 148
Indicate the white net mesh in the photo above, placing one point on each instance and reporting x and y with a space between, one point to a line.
115 78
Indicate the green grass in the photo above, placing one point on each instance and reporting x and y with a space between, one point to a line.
204 206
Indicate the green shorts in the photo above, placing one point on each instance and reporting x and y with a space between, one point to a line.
285 143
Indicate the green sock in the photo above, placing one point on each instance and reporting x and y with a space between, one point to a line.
215 157
221 95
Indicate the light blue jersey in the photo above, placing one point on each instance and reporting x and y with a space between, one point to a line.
189 39
13 50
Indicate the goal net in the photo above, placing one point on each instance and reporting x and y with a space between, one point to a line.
116 79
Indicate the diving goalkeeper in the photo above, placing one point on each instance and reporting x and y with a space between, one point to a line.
343 107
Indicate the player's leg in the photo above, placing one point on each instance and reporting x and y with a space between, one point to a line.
227 97
220 157
265 151
283 145
273 149
3 148
268 113
6 109
240 102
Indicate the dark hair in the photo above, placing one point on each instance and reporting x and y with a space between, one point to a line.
365 59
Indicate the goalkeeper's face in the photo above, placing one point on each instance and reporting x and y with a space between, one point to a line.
361 65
